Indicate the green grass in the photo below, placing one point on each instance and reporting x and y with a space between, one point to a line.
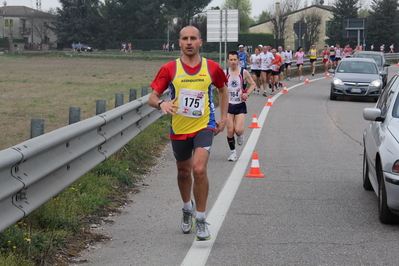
36 239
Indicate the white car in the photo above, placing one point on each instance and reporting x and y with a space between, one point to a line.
381 152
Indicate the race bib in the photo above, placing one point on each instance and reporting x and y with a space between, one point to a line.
191 103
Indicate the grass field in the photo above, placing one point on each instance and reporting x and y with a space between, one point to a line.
46 85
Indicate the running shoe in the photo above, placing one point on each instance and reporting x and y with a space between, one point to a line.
270 85
187 222
288 78
280 84
312 74
233 157
300 78
272 93
202 230
265 94
240 139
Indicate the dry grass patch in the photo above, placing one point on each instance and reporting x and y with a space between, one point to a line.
45 87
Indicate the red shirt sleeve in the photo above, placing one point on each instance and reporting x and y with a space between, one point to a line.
164 77
218 76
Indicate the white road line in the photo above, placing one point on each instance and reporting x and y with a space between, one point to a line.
200 250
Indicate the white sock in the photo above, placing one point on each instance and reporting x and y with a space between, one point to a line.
200 215
233 151
188 205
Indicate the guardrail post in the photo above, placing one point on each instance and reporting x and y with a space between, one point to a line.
144 91
74 115
132 95
100 107
118 99
36 127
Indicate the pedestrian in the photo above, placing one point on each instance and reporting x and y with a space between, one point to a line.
238 79
167 47
391 48
338 54
79 47
164 47
243 55
382 48
326 58
313 57
266 68
332 56
276 65
73 47
288 60
347 51
281 53
372 47
193 123
173 47
255 62
129 47
299 56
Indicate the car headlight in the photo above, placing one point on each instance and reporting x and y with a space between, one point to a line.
375 83
337 81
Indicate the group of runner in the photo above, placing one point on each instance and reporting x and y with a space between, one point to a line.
268 64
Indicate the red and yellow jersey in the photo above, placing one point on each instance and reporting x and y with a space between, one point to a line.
192 86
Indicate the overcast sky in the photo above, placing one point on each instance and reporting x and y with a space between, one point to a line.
257 5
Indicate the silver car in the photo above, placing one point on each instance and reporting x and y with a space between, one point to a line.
356 77
381 152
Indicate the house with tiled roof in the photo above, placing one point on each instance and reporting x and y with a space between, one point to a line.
21 22
291 39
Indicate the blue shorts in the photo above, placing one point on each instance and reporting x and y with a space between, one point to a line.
236 109
183 149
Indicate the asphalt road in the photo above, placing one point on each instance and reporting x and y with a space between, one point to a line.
309 209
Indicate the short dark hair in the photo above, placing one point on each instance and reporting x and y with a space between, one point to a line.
232 52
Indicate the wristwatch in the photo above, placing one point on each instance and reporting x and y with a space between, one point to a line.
159 103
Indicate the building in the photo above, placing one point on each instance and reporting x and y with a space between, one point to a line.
291 39
21 22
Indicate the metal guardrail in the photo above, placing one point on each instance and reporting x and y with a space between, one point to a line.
36 170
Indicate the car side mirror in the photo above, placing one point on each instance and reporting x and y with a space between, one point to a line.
383 73
372 114
386 65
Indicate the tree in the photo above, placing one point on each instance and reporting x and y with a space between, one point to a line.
244 8
185 10
312 20
78 21
279 19
380 29
342 9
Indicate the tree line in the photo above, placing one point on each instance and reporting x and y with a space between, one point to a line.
109 23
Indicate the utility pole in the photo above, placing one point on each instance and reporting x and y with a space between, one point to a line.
39 5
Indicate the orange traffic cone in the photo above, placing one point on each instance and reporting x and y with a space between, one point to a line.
285 89
328 75
269 103
398 64
254 122
307 80
255 169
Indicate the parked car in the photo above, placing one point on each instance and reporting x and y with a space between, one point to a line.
379 59
86 48
356 77
381 152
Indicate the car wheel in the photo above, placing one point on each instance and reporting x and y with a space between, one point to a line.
332 96
366 180
384 213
